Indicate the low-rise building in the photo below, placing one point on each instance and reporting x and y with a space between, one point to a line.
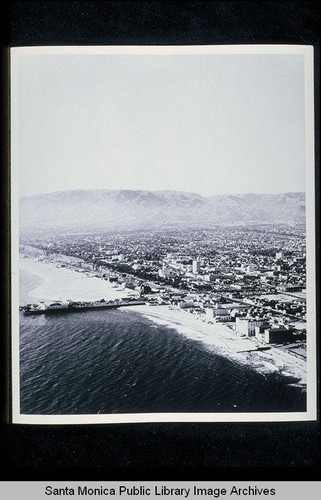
278 335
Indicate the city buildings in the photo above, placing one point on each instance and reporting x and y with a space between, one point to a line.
252 278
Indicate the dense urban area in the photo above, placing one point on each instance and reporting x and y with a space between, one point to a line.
252 278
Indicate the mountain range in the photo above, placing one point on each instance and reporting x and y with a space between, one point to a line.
104 210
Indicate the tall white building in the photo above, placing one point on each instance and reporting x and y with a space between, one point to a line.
247 326
196 266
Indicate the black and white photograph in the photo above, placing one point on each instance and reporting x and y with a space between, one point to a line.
163 234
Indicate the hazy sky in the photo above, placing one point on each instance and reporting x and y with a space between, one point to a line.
202 123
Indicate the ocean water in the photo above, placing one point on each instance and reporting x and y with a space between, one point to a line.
118 361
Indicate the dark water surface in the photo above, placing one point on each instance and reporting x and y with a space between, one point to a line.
117 361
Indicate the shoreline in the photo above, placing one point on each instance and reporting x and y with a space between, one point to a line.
61 283
64 283
222 340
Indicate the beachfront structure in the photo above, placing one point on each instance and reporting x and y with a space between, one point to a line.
128 284
278 335
187 304
54 305
217 314
247 327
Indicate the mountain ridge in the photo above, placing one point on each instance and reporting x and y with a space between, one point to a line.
106 209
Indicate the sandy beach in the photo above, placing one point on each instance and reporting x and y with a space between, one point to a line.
223 340
62 284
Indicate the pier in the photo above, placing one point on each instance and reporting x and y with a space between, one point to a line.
55 308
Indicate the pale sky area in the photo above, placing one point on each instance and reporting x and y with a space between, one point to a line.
210 124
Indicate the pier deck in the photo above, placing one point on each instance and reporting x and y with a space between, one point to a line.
77 308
